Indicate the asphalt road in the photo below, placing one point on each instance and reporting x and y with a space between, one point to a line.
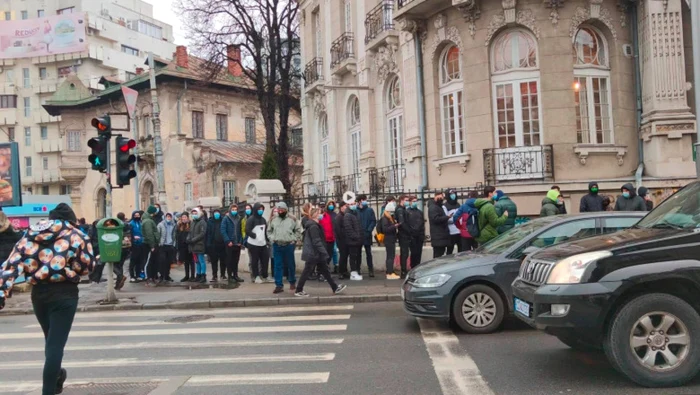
367 349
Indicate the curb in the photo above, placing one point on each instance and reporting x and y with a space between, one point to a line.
214 304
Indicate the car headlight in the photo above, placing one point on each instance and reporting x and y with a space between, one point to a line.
431 281
571 269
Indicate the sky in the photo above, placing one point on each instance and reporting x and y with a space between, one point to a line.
163 10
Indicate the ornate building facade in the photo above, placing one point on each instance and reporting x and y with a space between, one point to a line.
520 94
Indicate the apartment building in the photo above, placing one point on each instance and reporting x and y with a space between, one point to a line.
520 94
118 36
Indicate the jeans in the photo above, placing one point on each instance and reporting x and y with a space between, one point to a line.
404 252
259 255
469 244
322 269
390 255
56 319
201 264
167 257
330 249
119 266
368 255
335 253
284 261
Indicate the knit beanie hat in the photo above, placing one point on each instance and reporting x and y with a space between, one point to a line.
152 210
63 212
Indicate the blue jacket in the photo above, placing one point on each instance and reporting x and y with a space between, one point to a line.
368 221
469 207
231 229
136 230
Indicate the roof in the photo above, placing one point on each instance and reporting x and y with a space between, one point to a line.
237 152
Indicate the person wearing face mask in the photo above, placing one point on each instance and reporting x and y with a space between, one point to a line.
158 216
592 202
184 225
314 253
197 244
353 237
416 223
167 251
389 228
150 239
505 205
629 200
258 251
439 230
644 194
404 233
450 206
550 204
341 240
327 225
244 218
284 232
368 221
215 246
138 249
561 204
233 241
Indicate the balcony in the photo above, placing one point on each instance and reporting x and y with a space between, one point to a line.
422 9
8 116
42 117
321 189
386 179
73 166
48 146
379 26
41 177
519 164
343 55
42 88
313 74
348 183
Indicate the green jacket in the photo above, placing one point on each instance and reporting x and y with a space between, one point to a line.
489 221
243 221
284 231
502 205
151 236
549 208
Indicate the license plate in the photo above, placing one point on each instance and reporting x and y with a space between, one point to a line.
522 307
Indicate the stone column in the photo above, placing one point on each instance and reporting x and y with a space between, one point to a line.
667 122
409 86
310 136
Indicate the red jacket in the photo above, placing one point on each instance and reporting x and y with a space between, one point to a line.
461 224
327 225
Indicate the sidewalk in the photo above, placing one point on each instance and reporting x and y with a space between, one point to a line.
178 295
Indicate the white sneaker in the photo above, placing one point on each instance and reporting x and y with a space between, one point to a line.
258 280
269 280
355 277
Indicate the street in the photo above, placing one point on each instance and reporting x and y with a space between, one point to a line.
370 348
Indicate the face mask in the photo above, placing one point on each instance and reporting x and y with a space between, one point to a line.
407 204
331 207
414 204
195 216
353 207
320 217
439 202
217 215
594 190
248 211
626 195
453 196
137 219
283 214
365 204
234 212
168 220
260 212
157 210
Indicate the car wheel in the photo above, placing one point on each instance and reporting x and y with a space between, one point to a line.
654 341
579 344
478 309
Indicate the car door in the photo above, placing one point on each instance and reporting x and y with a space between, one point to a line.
616 224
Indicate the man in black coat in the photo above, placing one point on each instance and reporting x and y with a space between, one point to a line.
354 238
416 224
592 202
341 240
439 231
404 233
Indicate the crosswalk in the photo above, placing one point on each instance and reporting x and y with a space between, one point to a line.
181 351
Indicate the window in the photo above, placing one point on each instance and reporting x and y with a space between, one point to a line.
395 123
612 225
66 189
44 189
44 133
150 29
355 150
10 77
229 192
250 137
73 141
27 166
354 130
27 137
27 107
348 16
325 161
188 192
515 76
26 79
319 34
452 102
67 70
354 112
45 163
25 15
11 133
42 73
147 123
592 88
296 138
8 101
68 10
130 76
40 13
8 15
222 127
198 124
130 50
565 232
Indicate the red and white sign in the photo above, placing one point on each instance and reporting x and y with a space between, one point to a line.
130 97
19 222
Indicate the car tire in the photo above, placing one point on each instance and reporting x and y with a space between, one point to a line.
478 309
629 326
578 343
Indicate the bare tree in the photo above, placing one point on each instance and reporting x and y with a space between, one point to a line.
267 33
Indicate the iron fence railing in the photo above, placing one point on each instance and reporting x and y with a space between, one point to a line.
379 20
387 179
342 49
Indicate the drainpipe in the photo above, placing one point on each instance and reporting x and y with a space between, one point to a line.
638 92
421 112
179 109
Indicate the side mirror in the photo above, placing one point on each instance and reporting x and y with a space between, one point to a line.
530 250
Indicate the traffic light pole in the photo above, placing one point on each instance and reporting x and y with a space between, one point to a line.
111 295
157 142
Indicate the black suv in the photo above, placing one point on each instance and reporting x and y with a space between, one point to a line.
635 293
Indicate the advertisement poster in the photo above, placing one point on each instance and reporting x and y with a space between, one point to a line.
20 223
10 184
51 35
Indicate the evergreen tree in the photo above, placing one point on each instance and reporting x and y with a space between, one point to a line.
269 167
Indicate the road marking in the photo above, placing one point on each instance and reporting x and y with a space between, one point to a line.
176 345
183 331
456 372
259 379
234 310
28 386
122 362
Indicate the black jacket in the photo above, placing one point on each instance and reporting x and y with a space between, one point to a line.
592 202
439 232
389 228
339 230
402 219
353 230
632 203
214 235
416 223
8 239
314 249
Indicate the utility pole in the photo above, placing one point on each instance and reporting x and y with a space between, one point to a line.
160 172
137 199
695 21
111 295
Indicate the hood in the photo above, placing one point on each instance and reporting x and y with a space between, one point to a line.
631 188
256 207
447 197
642 191
133 213
591 185
451 263
146 216
63 212
479 203
553 195
47 232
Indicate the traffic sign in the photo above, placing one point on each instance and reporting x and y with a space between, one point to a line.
130 96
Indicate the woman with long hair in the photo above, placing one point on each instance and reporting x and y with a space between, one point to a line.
183 230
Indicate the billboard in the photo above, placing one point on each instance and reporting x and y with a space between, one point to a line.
51 35
10 183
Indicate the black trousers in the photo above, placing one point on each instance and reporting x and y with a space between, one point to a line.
330 245
344 254
152 263
187 258
455 240
404 253
217 258
439 251
416 251
259 256
355 255
368 255
96 274
390 255
469 244
233 256
167 257
137 258
322 268
119 266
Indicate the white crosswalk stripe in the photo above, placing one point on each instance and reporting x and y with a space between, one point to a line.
184 348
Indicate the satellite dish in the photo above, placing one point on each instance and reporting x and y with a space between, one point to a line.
349 197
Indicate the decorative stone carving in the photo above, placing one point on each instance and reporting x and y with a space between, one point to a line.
463 161
440 21
585 150
582 15
319 102
524 17
623 8
509 10
470 12
554 5
451 34
407 25
385 61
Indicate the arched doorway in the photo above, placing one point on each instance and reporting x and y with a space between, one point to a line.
147 197
101 204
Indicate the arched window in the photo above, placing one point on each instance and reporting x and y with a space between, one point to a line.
147 197
101 203
592 87
394 115
354 132
515 76
451 102
325 154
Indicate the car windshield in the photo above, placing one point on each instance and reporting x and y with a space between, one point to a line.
507 239
680 211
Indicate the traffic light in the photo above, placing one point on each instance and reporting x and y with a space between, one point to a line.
103 125
98 158
125 160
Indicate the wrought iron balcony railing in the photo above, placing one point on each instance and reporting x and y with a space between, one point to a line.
342 49
386 179
313 71
379 20
519 163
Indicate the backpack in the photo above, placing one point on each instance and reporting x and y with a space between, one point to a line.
473 225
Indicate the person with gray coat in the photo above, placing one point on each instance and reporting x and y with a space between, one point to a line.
167 251
629 200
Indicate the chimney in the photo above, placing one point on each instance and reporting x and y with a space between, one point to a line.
139 70
234 60
181 56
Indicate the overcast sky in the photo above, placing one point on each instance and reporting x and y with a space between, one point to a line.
163 10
